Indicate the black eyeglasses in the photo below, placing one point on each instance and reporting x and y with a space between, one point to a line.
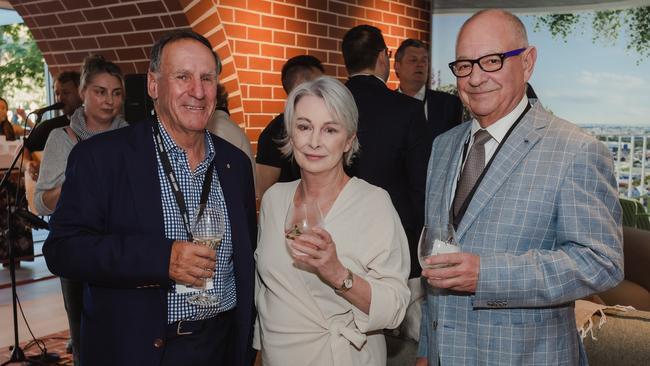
488 63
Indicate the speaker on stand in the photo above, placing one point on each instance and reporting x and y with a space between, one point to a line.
137 104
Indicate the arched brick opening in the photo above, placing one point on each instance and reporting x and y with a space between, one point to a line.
253 37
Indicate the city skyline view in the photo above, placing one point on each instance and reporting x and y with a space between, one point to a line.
585 82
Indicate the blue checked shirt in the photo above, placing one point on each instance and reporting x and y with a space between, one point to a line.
191 183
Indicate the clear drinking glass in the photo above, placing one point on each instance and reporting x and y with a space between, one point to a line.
300 219
208 226
436 239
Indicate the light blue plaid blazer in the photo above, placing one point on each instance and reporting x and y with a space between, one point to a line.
546 223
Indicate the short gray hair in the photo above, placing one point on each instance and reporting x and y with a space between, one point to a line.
177 35
339 103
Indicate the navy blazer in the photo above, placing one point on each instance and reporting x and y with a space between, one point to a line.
395 148
108 232
444 112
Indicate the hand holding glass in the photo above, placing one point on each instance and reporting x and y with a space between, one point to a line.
208 226
436 239
301 219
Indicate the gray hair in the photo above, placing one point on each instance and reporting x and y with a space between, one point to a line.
339 103
177 35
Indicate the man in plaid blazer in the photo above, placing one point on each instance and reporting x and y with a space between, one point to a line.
540 229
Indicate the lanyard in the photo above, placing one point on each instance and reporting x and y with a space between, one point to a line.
456 219
173 182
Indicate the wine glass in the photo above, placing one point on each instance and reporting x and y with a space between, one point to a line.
436 239
301 218
208 226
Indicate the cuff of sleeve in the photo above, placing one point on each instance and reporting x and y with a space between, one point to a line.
39 205
486 295
379 316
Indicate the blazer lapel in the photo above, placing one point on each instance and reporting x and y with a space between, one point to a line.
443 163
515 148
456 154
222 164
142 170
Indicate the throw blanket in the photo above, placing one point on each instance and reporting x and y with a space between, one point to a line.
585 310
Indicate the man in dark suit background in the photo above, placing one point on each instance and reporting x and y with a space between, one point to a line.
66 90
442 110
122 226
392 131
271 165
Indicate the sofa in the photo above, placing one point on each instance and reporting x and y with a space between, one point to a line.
635 288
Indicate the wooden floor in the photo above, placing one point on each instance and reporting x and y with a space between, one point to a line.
41 301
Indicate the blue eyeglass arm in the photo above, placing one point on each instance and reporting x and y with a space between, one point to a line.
513 52
503 55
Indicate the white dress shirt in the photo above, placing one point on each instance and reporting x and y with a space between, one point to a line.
497 130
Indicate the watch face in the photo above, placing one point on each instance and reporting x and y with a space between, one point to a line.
347 283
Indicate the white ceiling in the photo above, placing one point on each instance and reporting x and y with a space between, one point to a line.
470 6
531 6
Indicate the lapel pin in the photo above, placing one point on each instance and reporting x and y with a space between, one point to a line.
227 165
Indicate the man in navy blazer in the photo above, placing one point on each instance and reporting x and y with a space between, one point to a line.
119 226
443 111
392 132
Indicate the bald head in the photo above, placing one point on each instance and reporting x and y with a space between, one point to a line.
502 18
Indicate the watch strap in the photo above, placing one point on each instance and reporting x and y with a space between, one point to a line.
346 284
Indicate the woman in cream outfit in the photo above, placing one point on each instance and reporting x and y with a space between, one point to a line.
328 306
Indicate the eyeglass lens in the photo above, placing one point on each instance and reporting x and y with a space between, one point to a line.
489 63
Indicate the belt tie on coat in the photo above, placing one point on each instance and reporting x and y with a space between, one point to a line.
344 332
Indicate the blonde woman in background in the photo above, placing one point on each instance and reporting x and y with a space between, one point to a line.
102 91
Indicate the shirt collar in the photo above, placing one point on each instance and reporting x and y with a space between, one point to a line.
419 95
499 129
173 149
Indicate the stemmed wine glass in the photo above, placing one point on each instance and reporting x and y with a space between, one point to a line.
435 239
301 218
208 226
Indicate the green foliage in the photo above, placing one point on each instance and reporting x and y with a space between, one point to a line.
560 25
21 62
639 20
607 25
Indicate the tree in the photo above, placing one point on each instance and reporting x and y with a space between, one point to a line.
21 62
607 25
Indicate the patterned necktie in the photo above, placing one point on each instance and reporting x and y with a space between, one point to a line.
473 168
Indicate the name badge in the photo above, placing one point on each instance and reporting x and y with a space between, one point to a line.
182 289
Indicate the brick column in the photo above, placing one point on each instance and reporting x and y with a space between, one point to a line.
253 37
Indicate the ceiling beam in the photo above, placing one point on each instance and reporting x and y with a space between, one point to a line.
531 6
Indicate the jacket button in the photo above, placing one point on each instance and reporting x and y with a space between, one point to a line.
158 343
434 325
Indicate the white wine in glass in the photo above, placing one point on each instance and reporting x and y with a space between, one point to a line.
436 239
208 227
301 218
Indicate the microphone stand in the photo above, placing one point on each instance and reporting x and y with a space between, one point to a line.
17 354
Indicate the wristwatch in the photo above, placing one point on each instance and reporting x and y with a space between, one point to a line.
347 283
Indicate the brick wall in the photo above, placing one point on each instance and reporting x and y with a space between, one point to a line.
253 37
66 31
